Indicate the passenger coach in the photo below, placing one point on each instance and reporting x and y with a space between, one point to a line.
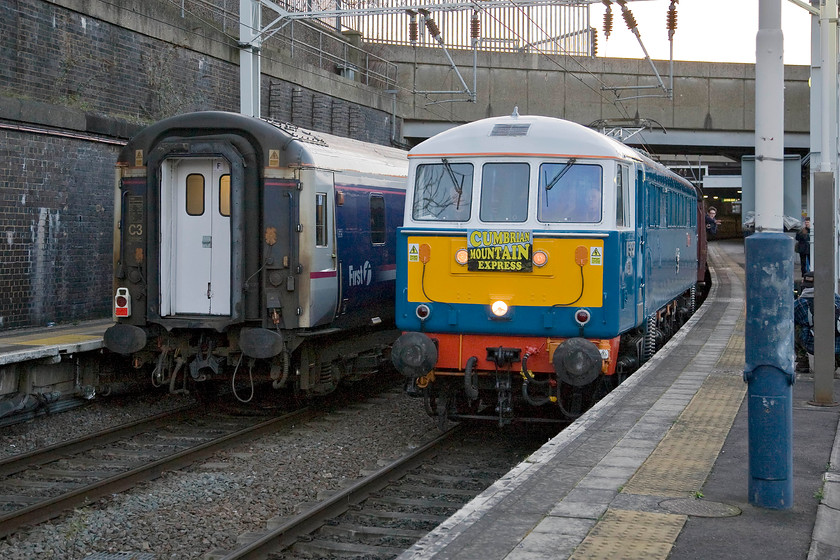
538 261
251 247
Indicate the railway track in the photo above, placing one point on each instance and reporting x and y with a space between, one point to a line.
42 484
386 512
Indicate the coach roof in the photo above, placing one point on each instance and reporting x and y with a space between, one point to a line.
295 146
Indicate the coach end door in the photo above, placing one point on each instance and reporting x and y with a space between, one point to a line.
195 237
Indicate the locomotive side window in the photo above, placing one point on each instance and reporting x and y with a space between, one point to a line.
377 219
320 219
224 195
195 194
570 192
443 192
504 192
655 214
621 187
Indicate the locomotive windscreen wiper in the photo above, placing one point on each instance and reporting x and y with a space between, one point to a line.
459 188
560 174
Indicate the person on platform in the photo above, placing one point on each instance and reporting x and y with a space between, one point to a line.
712 223
803 246
803 324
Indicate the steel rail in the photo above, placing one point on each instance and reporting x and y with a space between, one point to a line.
310 520
20 462
53 507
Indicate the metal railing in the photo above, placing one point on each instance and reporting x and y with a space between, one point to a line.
561 28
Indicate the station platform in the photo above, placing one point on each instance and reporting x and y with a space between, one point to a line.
660 468
44 342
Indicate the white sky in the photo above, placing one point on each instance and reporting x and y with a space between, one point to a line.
707 30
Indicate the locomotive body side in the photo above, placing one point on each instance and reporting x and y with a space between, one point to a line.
228 247
536 268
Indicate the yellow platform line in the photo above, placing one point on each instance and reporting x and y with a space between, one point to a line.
630 535
677 468
55 340
680 464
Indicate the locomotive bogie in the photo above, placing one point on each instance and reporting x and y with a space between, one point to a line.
242 243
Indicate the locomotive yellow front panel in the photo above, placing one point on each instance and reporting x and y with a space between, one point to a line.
518 268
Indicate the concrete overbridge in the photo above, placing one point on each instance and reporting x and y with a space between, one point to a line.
710 110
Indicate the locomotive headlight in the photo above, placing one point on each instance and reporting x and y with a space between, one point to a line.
582 316
499 308
461 256
539 258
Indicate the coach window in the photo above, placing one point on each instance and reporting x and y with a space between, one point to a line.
569 192
224 195
320 219
504 192
443 192
195 194
377 219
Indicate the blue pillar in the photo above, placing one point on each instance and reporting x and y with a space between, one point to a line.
768 368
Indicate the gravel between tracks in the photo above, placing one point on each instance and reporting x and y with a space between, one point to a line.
187 513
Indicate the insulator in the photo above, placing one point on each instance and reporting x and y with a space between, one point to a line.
475 26
434 31
671 21
608 21
413 31
629 19
593 38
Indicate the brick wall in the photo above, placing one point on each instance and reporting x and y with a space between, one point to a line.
58 56
70 84
323 113
55 229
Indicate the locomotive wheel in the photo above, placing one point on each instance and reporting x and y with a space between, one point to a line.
444 403
574 401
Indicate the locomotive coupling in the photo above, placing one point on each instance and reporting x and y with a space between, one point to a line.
414 354
577 362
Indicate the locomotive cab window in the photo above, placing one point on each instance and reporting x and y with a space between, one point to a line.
195 194
443 192
504 192
377 219
224 195
320 219
570 192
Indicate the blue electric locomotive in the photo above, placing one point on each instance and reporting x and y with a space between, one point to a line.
248 246
538 262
